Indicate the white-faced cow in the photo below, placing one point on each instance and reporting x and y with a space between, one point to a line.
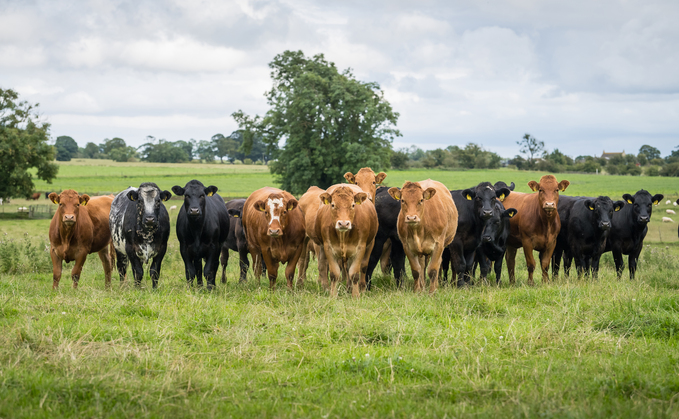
140 228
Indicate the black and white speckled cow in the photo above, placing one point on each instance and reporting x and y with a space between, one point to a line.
140 228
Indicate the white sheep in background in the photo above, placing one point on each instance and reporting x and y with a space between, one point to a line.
667 220
675 204
667 202
670 212
173 207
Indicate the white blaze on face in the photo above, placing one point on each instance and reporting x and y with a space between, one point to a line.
272 206
148 196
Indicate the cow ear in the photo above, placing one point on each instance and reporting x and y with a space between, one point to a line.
657 198
588 204
617 206
379 178
54 197
260 206
563 185
165 195
291 205
512 186
534 186
210 190
468 194
234 212
628 198
395 193
509 213
326 199
502 193
133 195
178 190
676 202
360 197
428 193
84 199
350 177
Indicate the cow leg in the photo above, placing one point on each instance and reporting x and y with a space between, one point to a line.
198 266
137 270
154 270
362 284
244 263
334 269
567 262
271 269
322 267
107 263
469 262
398 262
445 265
530 261
545 258
375 257
57 264
78 268
619 264
632 261
121 264
189 268
257 264
434 265
355 272
416 268
484 265
292 264
595 265
211 268
580 263
497 266
224 261
304 260
385 261
510 256
556 261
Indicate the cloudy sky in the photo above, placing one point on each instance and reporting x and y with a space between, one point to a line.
580 75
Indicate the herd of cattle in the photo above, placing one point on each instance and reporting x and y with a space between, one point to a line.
352 227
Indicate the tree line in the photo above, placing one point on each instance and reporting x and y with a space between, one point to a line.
226 149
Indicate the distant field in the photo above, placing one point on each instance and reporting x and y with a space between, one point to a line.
106 176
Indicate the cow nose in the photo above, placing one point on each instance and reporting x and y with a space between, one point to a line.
194 211
343 225
487 214
549 205
644 218
487 239
412 219
150 220
274 232
69 218
605 225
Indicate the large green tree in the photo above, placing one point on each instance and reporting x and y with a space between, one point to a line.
66 148
530 147
650 152
23 146
330 122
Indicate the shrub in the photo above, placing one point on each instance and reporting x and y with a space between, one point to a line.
652 171
670 169
259 162
247 161
633 170
237 162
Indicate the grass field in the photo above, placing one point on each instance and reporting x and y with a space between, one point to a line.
570 348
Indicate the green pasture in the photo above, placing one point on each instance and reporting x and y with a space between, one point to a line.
568 348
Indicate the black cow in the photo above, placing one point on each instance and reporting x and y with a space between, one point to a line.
500 184
236 240
202 229
562 249
630 228
387 215
494 241
475 207
588 228
140 228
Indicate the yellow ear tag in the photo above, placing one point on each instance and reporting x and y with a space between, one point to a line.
617 208
591 208
235 216
469 197
512 214
210 193
629 201
655 202
131 198
502 197
85 203
326 202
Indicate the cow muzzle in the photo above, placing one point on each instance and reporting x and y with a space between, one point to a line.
274 232
150 221
606 225
487 214
69 219
343 225
644 219
487 239
193 212
412 219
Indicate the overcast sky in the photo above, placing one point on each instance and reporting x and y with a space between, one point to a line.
580 75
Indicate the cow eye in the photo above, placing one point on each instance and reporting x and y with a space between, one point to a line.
77 205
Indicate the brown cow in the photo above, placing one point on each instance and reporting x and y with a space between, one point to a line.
35 196
346 225
274 228
79 227
536 225
367 180
426 225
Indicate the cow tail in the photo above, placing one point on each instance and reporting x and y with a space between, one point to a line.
112 251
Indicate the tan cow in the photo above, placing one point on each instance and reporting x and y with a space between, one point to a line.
535 226
274 228
367 180
79 227
345 227
426 226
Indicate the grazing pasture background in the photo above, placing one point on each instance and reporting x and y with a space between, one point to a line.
568 348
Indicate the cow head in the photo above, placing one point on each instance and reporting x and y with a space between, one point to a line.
412 198
494 226
194 194
276 209
367 180
343 203
147 199
548 189
483 196
234 212
603 208
500 184
69 205
642 204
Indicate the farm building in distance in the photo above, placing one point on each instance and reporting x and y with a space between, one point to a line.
607 156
